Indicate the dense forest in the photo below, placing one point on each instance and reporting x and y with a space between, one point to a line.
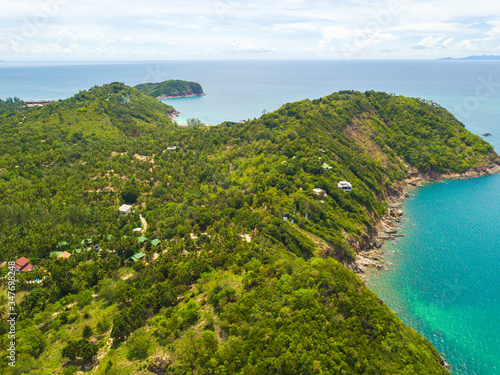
170 88
242 270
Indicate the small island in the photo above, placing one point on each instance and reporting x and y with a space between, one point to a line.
171 89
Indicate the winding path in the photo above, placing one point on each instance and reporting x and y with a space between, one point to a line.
144 224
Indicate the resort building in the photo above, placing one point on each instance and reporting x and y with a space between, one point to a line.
125 209
137 256
345 185
64 255
23 265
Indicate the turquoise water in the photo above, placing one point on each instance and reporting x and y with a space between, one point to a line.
445 283
445 280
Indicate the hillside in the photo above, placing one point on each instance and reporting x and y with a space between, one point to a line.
170 89
230 287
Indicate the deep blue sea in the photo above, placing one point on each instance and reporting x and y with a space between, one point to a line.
445 280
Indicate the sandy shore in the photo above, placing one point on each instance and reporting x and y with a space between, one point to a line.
178 96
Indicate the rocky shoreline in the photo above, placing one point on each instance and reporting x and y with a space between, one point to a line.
173 114
372 255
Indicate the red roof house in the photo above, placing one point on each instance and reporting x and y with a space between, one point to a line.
22 265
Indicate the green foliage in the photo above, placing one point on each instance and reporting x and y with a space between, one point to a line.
81 348
232 287
84 298
194 122
130 194
31 341
87 331
71 370
313 317
139 344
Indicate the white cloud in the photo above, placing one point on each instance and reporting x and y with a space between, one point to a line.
466 45
448 42
282 28
429 42
242 47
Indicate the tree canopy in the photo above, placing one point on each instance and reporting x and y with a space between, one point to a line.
248 275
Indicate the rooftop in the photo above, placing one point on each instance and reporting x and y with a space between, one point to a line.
22 262
137 256
64 254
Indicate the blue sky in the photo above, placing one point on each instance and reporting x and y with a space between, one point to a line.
251 29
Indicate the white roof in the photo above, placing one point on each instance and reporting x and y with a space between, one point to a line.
125 207
344 183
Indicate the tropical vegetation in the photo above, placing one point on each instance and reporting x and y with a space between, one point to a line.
243 269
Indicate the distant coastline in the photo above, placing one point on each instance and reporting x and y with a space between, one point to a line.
474 57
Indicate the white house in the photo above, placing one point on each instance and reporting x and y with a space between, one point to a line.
125 209
345 185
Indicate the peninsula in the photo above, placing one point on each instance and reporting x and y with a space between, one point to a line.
171 89
222 249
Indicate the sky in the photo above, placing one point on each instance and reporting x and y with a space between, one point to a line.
94 30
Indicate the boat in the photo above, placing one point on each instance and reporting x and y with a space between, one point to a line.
486 134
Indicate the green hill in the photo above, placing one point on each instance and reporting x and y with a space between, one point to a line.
171 88
109 110
231 287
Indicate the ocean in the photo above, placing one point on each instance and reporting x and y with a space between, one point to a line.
444 281
442 277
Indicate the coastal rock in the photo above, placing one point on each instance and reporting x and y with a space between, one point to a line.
386 236
396 205
362 261
378 244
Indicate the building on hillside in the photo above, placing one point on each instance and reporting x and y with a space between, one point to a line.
345 185
125 209
327 167
155 242
23 265
64 255
137 256
171 148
